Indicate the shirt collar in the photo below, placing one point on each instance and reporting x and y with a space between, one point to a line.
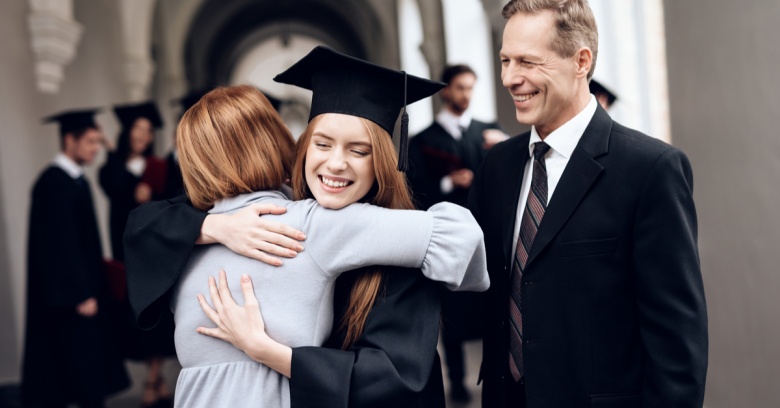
453 123
242 200
68 165
564 139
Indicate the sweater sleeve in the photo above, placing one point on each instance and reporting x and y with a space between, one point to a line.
444 241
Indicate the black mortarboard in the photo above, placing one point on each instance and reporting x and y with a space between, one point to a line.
127 114
597 88
344 84
72 121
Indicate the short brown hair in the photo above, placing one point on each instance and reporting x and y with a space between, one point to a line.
232 142
575 25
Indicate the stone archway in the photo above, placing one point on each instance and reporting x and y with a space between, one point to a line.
222 32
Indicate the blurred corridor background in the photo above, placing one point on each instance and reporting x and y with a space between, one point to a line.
699 74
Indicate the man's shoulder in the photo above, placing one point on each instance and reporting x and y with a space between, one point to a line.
637 145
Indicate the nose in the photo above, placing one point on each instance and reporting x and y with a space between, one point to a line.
512 75
336 161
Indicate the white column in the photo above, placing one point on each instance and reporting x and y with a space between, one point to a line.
54 36
136 17
468 36
413 61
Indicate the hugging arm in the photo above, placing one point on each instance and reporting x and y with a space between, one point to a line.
161 235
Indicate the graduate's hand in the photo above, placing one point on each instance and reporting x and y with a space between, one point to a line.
493 137
87 308
247 233
243 326
143 193
462 178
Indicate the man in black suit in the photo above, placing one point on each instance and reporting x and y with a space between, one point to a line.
591 234
444 158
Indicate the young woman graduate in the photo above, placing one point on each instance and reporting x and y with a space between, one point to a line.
394 358
345 158
131 177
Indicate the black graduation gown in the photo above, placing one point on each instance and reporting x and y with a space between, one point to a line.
434 153
67 357
174 185
119 185
393 362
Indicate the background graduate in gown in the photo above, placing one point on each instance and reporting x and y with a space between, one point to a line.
131 177
69 354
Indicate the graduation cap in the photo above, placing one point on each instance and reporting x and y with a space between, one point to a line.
348 85
75 120
597 88
127 114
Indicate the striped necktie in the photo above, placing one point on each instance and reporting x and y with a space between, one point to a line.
532 217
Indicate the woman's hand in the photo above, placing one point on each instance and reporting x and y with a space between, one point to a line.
246 233
243 326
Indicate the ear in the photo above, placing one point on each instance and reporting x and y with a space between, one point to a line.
69 141
584 59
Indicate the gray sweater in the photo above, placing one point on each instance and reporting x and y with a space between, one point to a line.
296 299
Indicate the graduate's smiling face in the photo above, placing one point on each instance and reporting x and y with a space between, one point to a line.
141 135
84 148
339 165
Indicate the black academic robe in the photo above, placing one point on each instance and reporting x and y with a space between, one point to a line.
120 185
393 362
612 298
434 153
67 357
174 185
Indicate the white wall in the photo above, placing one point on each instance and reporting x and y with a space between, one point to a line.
723 64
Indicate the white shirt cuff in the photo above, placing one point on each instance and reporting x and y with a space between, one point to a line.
446 185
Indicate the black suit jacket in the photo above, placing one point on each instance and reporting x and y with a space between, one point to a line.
612 297
434 153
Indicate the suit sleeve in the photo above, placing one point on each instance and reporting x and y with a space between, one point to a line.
670 292
393 363
159 239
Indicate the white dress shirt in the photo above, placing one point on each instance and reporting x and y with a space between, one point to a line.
454 125
562 142
68 165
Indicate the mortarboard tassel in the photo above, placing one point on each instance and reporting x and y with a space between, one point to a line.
403 144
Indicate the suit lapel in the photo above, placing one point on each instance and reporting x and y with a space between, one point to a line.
578 177
513 170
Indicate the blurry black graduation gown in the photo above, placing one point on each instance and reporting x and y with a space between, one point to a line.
67 357
393 363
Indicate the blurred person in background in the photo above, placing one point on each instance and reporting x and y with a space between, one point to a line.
444 158
131 177
69 354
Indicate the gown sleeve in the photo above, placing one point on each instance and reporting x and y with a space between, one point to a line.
445 242
393 363
159 239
